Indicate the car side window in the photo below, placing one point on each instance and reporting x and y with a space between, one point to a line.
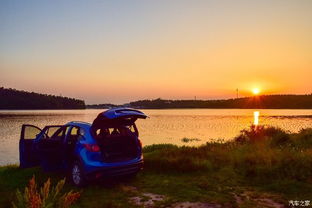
51 131
59 134
31 132
75 133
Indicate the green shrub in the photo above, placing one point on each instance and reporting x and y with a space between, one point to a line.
155 147
259 153
187 140
275 136
303 139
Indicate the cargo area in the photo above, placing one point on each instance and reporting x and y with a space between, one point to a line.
117 135
118 143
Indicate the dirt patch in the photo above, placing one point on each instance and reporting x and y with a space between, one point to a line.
259 200
244 199
147 200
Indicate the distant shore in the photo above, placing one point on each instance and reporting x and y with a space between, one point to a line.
256 102
12 99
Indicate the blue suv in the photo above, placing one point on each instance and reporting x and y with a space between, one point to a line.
110 146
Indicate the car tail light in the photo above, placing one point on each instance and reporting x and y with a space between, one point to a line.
92 147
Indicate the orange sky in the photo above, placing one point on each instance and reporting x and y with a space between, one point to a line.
121 51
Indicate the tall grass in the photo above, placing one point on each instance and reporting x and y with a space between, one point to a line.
260 152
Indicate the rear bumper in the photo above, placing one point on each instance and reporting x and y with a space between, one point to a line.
115 170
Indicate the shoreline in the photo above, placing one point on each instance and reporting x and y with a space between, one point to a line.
261 163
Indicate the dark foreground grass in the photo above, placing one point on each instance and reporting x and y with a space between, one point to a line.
260 160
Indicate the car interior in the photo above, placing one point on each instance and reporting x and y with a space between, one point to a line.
117 142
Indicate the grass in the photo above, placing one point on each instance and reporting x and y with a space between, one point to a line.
259 160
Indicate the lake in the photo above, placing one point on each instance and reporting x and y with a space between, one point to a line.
162 126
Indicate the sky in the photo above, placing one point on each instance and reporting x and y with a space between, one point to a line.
120 51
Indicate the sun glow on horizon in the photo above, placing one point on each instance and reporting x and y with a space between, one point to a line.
255 91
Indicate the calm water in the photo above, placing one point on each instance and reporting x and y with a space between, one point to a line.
162 126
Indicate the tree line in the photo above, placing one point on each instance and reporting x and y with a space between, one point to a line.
102 106
18 99
263 101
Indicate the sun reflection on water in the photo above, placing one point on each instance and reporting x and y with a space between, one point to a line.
256 117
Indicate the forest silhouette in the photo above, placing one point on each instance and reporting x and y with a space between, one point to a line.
18 99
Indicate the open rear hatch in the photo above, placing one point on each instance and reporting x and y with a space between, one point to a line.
116 133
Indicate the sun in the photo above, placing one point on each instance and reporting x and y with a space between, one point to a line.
255 91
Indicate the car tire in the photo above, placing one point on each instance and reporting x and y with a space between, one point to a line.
76 174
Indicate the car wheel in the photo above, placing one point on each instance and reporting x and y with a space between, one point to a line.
76 174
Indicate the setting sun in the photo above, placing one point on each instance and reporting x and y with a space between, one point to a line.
256 91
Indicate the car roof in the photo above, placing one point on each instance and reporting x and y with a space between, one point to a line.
79 124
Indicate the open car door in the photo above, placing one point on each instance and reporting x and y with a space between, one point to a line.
51 147
28 156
